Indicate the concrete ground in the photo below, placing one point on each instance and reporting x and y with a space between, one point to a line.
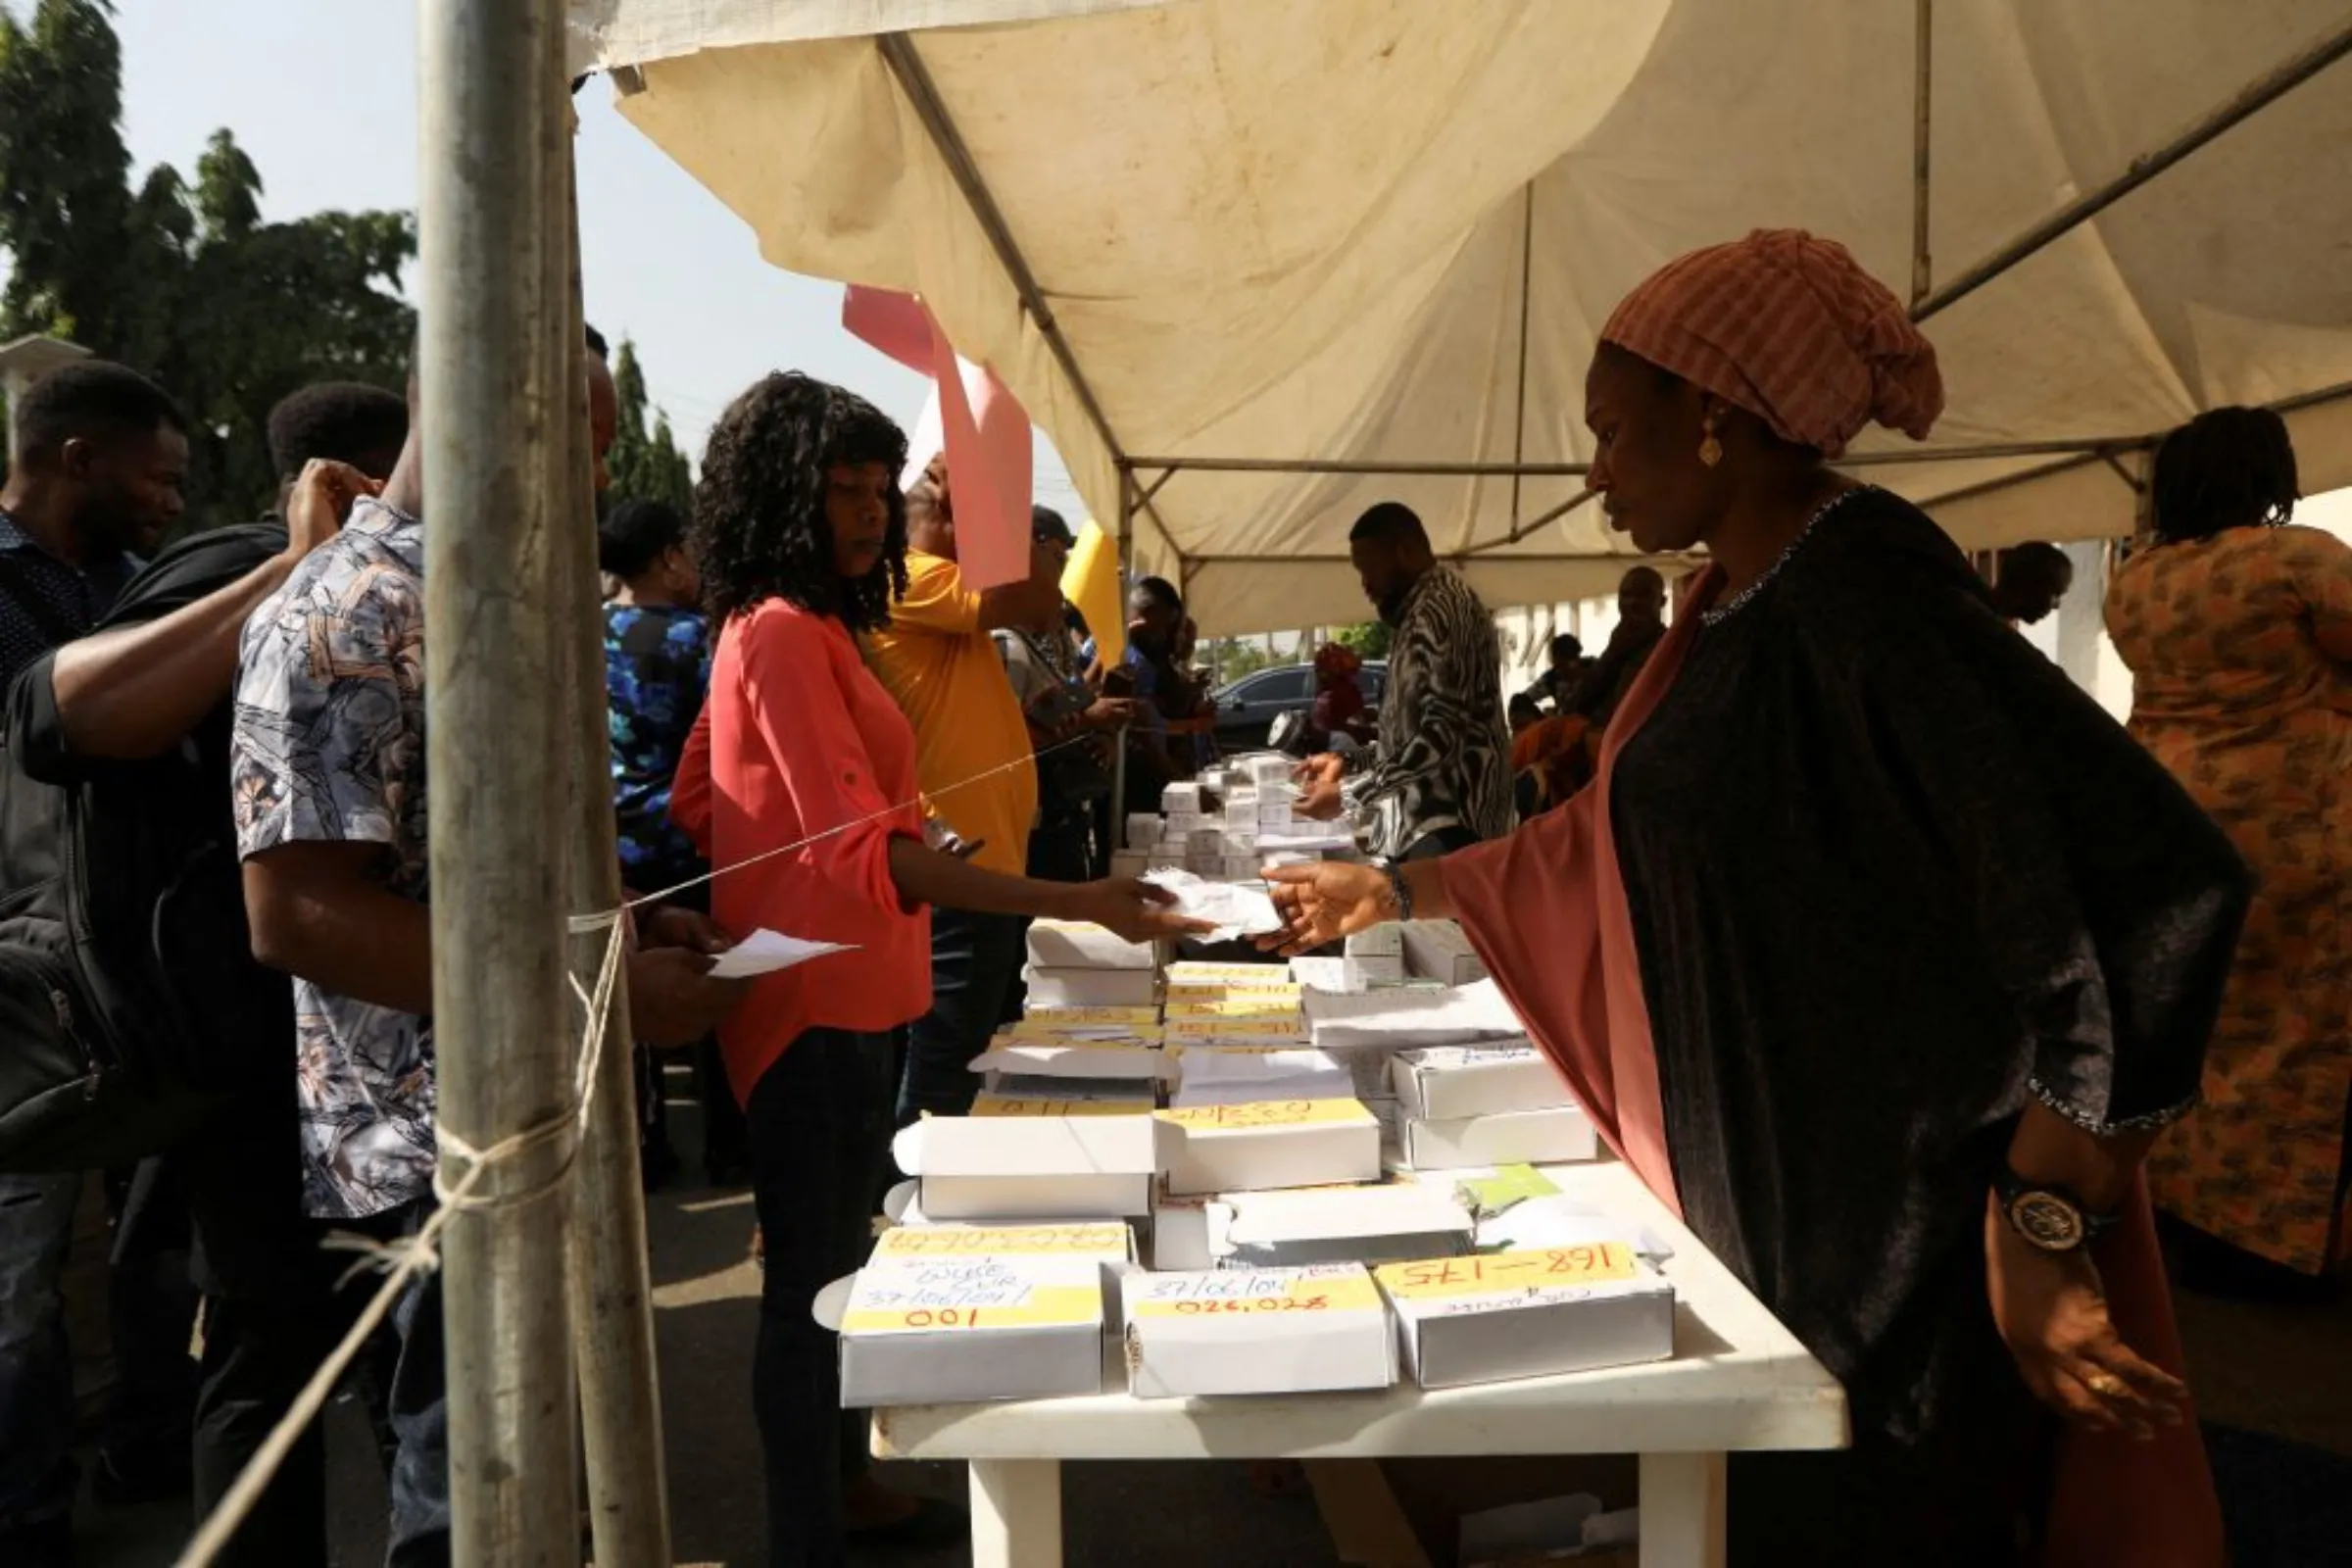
2285 1371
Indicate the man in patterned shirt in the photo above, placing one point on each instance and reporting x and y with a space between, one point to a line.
329 780
1439 778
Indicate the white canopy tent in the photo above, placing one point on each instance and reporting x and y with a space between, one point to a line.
1256 264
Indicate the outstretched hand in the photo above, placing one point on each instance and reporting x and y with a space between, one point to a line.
1132 909
1321 904
2051 1310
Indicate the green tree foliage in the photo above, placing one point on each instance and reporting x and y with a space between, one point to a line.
645 463
1369 639
185 283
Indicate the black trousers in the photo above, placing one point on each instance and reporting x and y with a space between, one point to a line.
272 1313
821 1126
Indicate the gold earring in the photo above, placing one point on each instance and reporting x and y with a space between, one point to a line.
1710 450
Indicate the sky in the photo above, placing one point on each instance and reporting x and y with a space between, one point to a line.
321 94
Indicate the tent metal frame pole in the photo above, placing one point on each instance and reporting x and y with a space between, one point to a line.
491 410
611 1288
2248 101
1167 466
1922 133
1118 761
1527 289
906 66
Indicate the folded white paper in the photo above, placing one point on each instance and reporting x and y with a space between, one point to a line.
765 952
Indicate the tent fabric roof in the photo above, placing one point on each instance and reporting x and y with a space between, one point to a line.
1388 231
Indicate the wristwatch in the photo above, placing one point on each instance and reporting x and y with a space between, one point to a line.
2048 1216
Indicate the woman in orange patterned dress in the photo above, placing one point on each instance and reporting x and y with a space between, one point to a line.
2238 628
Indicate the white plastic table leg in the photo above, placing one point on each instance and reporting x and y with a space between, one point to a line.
1016 1513
1682 1510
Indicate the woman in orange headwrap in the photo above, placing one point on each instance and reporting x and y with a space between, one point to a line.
1856 950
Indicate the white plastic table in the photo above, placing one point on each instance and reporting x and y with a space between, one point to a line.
1738 1381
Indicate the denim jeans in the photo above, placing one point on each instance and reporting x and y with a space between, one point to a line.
819 1123
419 1537
974 959
36 1369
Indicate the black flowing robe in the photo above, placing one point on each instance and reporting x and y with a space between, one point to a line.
1891 877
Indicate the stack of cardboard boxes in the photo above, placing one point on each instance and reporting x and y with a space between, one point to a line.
1283 1255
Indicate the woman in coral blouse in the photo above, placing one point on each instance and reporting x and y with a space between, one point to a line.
800 785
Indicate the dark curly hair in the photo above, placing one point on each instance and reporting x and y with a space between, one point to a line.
759 529
2228 467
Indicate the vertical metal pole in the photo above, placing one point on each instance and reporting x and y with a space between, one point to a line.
1923 45
504 1052
1118 765
612 1292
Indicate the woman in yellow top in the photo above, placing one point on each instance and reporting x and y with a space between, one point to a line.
2238 628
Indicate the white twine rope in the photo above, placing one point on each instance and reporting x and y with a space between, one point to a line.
417 1254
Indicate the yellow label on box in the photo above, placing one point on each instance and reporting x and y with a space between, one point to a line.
1038 1307
988 1104
1235 990
1241 1028
1547 1268
1267 1113
1268 1009
1241 1294
1028 1241
1054 1019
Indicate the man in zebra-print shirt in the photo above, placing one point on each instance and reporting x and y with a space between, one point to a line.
1439 778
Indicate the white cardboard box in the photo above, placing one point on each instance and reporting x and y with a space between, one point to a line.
1294 1143
1180 799
1504 1315
1032 1167
1192 980
1213 1075
1383 941
1077 945
1143 830
1089 988
1558 1136
1064 1097
1437 950
1258 1331
1072 1063
1392 1222
956 1313
1443 1083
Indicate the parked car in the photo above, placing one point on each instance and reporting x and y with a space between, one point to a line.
1247 707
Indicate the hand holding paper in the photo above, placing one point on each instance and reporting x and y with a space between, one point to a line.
765 952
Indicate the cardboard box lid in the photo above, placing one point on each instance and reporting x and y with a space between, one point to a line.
1342 1212
1265 1116
1268 1008
1412 1016
1100 1060
973 1283
1106 1241
1081 944
995 1103
1503 1282
1108 1022
1044 1145
1240 976
1441 1082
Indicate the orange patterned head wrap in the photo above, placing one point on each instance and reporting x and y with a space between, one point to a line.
1790 328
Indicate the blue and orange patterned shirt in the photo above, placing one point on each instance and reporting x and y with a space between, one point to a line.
657 671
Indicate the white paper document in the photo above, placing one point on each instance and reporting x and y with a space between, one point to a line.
765 952
1236 909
